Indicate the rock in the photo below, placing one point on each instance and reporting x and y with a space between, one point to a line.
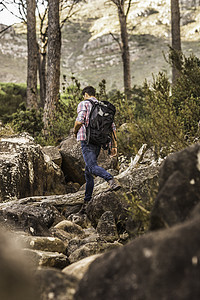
54 284
109 201
72 187
137 181
79 268
46 259
49 244
90 249
73 164
35 218
106 162
80 219
71 228
25 171
76 243
54 154
159 265
72 161
106 227
16 273
64 236
179 185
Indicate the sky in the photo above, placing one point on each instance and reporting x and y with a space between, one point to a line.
7 18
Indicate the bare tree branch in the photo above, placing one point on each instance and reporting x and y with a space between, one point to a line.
3 30
18 4
128 8
117 40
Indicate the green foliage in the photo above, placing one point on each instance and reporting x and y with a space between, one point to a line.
11 95
161 127
27 120
186 93
65 115
169 116
140 206
165 118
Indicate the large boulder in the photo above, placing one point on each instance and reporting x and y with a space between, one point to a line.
78 269
179 186
33 217
159 265
72 161
16 273
46 259
54 154
138 181
73 164
54 284
26 171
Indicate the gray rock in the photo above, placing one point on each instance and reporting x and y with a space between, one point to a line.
35 218
16 275
159 265
73 164
71 228
54 154
54 284
25 171
64 236
90 249
49 244
179 185
79 268
72 161
46 258
106 227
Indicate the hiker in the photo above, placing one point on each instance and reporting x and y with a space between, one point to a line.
90 151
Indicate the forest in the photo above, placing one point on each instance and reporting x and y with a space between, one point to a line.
137 237
163 114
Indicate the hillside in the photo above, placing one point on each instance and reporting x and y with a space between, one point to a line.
89 51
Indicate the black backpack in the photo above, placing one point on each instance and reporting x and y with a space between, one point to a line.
99 129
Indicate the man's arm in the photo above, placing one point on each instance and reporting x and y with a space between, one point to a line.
77 126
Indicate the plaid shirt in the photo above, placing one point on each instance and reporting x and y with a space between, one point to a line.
83 111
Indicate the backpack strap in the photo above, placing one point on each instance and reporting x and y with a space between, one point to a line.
88 127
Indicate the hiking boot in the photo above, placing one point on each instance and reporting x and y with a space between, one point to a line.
114 184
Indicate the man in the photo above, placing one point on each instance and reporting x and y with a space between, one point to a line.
90 151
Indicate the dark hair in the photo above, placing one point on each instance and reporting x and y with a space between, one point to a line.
89 90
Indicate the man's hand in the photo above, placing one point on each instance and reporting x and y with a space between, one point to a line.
113 152
77 126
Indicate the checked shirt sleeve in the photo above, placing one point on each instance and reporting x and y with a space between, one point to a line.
81 111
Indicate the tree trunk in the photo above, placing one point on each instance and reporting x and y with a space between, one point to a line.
42 77
125 52
176 36
32 56
53 63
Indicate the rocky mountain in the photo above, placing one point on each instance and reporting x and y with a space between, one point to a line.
91 54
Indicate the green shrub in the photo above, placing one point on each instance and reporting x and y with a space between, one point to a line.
27 120
169 117
11 95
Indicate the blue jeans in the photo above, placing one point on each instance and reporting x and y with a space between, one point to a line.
90 154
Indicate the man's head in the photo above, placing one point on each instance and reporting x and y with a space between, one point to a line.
89 91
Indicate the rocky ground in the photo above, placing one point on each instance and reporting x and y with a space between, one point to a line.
59 254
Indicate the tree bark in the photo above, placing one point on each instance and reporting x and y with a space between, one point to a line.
176 36
125 52
53 63
32 55
124 46
42 76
